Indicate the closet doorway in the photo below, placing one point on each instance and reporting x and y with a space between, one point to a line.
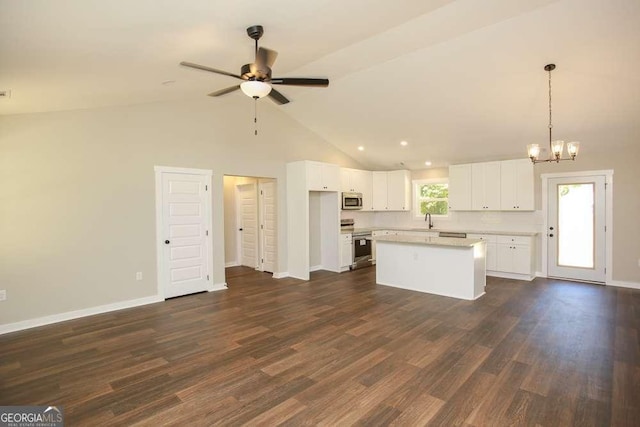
250 213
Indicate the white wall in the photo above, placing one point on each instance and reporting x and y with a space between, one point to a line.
77 208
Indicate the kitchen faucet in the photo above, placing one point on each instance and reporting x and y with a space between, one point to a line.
427 217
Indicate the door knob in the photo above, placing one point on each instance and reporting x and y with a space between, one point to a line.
551 235
550 228
166 242
239 229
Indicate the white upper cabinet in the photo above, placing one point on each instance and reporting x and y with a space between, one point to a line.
399 190
492 186
346 185
460 187
392 191
516 185
358 181
379 202
485 186
323 176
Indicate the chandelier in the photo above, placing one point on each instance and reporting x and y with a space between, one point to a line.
555 147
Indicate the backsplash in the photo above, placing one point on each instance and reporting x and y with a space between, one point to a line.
490 221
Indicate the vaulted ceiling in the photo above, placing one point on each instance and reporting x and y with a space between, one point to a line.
458 80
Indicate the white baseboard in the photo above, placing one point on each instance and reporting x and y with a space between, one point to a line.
281 275
540 274
315 268
76 314
217 287
514 276
231 264
622 284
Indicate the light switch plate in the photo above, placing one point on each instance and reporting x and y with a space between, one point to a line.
3 295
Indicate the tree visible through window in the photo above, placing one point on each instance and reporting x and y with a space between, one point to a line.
432 197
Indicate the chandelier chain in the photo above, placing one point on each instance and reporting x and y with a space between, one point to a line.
550 125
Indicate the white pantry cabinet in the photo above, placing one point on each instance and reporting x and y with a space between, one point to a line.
485 186
516 185
322 176
460 187
358 181
392 191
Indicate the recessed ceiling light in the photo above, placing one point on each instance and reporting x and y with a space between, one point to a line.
427 163
404 143
361 148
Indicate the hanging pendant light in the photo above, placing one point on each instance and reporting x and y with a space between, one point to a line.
555 147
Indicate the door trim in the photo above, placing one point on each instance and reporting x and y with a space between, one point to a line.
608 178
160 272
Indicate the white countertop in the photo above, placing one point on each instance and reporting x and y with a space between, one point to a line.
432 241
437 230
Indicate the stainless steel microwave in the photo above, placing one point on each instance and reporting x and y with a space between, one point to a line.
351 201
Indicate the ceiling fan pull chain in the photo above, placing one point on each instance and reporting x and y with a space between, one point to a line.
255 116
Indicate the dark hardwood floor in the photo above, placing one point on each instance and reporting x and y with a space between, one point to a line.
339 350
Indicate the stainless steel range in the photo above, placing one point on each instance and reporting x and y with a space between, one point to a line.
362 246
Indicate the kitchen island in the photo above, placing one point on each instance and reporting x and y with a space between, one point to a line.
452 267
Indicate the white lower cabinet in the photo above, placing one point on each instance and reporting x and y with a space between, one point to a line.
491 248
346 251
512 255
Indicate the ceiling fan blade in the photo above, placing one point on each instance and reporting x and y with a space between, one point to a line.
266 56
213 70
224 91
277 97
291 81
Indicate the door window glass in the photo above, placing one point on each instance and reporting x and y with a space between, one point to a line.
576 220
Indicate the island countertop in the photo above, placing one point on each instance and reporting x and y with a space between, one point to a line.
431 241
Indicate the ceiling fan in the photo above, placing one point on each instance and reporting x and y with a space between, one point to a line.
257 75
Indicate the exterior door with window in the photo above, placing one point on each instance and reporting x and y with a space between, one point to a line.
576 228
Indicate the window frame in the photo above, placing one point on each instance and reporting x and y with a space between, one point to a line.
416 183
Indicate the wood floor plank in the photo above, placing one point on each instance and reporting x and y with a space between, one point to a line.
340 350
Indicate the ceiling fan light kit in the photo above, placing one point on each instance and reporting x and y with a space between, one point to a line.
255 88
555 147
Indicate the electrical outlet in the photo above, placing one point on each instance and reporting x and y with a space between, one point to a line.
3 295
139 275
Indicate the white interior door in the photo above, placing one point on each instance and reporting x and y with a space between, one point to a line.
576 243
185 224
268 221
247 199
